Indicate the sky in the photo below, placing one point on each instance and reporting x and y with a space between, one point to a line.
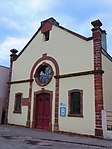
20 19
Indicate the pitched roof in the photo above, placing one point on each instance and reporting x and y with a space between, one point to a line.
4 67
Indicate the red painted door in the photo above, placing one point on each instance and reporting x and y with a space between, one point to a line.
43 111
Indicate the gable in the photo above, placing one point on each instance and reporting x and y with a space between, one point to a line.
47 26
69 49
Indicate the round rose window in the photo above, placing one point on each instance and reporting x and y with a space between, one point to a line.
43 74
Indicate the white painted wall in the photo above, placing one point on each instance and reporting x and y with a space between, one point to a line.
107 82
70 51
16 118
73 55
85 125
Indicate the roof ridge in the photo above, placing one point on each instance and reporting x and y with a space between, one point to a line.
4 67
55 23
76 34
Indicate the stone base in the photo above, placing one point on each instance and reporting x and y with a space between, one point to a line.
28 124
6 121
50 126
99 133
56 127
33 124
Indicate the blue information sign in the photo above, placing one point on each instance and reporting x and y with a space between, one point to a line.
62 111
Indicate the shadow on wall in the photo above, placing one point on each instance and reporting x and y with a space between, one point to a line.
3 116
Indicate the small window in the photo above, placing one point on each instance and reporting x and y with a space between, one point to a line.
18 98
75 103
46 36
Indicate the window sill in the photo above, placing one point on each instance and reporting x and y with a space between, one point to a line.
75 115
17 112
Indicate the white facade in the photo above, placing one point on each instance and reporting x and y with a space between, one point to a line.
73 54
107 82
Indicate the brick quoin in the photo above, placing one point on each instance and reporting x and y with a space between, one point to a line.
12 58
97 32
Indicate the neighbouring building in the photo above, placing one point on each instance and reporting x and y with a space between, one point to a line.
4 76
61 81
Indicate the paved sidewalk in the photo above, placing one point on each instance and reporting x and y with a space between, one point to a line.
8 131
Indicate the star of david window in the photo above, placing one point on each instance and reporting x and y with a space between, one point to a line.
43 74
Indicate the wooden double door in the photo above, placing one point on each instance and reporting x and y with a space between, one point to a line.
43 111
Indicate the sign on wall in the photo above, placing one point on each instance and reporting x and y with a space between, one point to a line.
62 109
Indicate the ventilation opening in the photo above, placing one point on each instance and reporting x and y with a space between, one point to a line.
46 36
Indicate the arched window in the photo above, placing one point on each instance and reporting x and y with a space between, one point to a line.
18 100
75 99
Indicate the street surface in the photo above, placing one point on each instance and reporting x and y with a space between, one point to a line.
13 137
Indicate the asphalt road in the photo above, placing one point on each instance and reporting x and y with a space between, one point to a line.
13 137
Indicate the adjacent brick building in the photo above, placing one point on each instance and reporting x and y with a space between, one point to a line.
4 77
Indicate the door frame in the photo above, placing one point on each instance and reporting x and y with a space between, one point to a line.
42 91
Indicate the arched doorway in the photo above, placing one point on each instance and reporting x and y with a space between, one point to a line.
56 96
42 113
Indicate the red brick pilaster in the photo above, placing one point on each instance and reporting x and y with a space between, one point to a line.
56 124
12 58
97 31
39 61
29 106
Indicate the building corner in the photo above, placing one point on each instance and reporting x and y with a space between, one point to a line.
13 57
98 84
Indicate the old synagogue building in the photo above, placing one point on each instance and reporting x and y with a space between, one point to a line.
61 81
